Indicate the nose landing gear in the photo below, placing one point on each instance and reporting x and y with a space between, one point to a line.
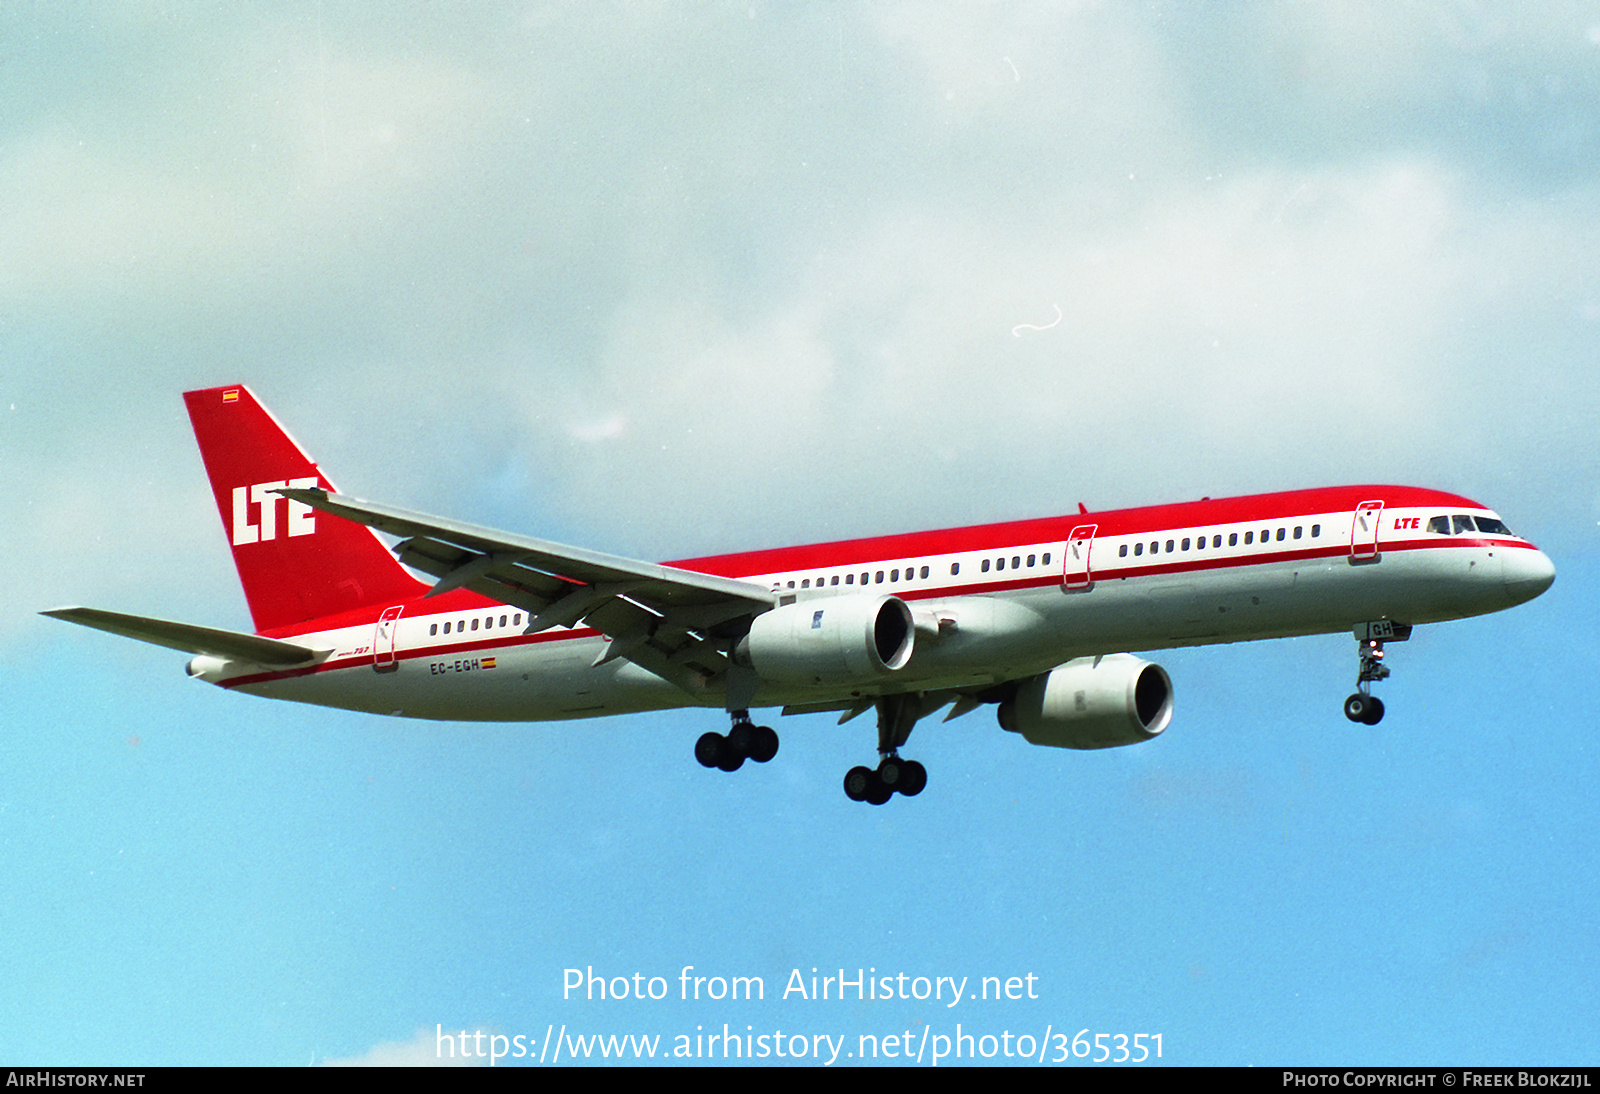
1363 706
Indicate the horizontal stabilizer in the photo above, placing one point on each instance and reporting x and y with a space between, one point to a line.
230 645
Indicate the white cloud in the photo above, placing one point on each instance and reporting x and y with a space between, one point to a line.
256 182
1268 313
765 290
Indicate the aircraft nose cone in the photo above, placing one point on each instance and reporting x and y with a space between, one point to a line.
1527 574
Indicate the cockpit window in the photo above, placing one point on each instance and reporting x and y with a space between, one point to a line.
1460 524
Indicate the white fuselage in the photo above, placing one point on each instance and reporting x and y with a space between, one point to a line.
990 605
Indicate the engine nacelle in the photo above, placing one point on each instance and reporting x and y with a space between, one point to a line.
1093 702
832 640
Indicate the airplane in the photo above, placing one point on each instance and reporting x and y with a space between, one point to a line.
1035 617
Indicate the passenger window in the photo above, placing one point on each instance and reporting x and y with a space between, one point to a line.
849 579
1185 543
1316 530
1297 531
955 568
1046 559
502 620
879 577
894 575
1233 539
924 571
1016 561
447 628
516 620
474 624
835 580
433 629
1155 547
1249 538
1280 535
1216 541
1122 552
805 583
985 566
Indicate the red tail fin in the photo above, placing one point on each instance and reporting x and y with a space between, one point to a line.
295 564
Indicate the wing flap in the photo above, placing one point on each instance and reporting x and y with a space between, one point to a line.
189 638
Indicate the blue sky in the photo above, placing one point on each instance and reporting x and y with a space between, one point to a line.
670 280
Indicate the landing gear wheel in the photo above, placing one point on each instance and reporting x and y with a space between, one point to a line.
764 744
893 776
1364 708
891 771
857 782
742 739
708 749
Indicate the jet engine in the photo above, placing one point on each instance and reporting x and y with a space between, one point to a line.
833 640
1093 702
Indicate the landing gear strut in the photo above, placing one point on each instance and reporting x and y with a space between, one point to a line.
745 740
897 714
1363 706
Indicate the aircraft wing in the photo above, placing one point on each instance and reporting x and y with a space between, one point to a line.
676 623
189 638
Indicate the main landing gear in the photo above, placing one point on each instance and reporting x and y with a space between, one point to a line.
892 776
897 714
1363 706
745 740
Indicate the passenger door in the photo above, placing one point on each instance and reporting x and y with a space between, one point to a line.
383 639
1364 532
1075 573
